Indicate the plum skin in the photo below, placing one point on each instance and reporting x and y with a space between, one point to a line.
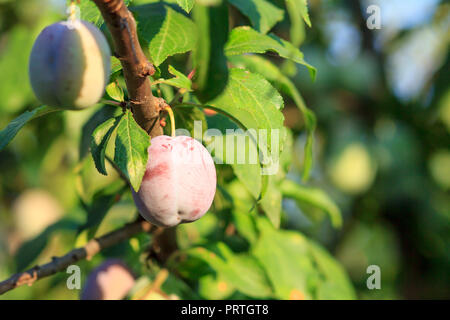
112 280
179 183
69 65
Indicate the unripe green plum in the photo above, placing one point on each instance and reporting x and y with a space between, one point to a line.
179 183
112 280
69 65
353 171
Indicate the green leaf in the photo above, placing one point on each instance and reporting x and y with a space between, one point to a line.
286 154
89 11
179 81
209 2
115 91
310 121
32 248
240 151
297 26
336 283
245 225
7 134
102 201
116 66
300 8
272 73
99 141
271 202
286 259
177 286
246 40
253 103
131 151
209 59
241 271
214 287
315 197
247 275
248 173
186 118
187 5
15 89
206 229
166 31
100 116
262 14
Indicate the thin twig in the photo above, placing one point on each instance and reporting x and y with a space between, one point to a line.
111 102
58 264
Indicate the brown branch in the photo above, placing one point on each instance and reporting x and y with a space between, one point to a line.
136 67
58 264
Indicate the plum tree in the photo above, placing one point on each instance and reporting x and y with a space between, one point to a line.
179 183
62 73
110 281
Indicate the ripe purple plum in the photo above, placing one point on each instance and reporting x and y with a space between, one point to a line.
112 280
69 65
179 182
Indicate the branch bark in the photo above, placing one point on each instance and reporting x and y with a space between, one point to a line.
136 67
58 264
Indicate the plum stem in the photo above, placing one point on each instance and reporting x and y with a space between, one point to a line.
172 120
72 11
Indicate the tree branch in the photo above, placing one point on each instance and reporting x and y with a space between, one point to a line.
58 264
136 67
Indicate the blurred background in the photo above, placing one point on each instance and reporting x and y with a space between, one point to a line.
382 148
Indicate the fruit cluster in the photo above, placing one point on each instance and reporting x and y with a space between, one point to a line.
69 68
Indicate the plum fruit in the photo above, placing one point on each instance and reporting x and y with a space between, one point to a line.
112 280
69 65
179 183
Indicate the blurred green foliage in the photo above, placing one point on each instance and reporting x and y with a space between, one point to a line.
381 152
